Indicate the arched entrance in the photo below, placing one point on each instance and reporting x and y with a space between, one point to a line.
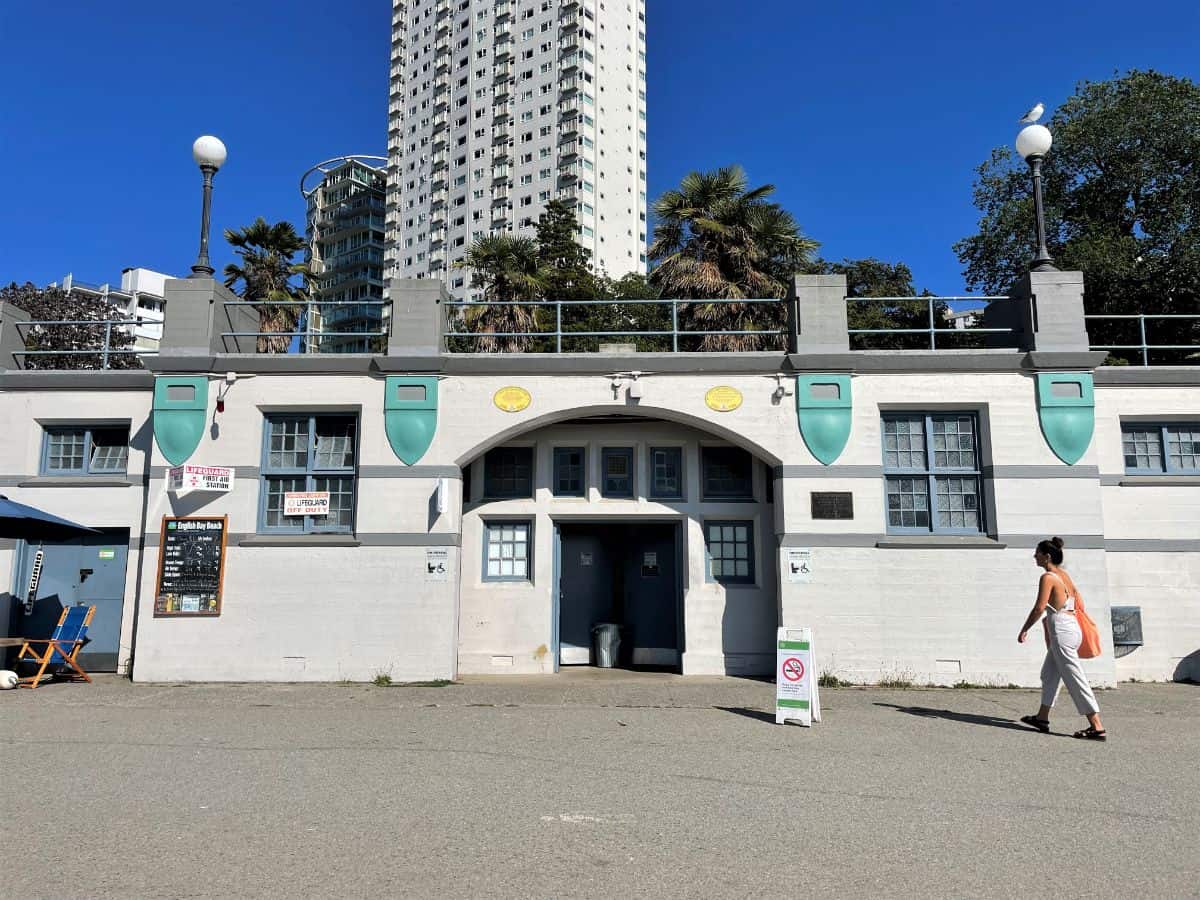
662 527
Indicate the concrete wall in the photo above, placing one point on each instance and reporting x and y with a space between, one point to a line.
1152 531
928 609
509 626
99 502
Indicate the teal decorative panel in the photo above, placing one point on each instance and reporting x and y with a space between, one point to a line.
410 415
824 409
180 414
1067 412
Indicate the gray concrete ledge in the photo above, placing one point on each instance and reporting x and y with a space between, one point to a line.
51 481
939 542
1152 545
298 540
1150 480
1148 376
159 473
1063 471
77 380
834 471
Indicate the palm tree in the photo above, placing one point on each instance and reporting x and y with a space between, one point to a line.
265 274
507 269
716 240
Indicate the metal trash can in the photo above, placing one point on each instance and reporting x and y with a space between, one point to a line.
606 642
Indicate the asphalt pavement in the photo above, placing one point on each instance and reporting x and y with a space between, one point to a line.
590 785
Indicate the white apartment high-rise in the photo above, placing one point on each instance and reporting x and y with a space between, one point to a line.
498 106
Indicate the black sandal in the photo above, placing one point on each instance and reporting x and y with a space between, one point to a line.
1042 725
1091 734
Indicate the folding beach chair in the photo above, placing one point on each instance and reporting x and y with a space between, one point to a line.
61 647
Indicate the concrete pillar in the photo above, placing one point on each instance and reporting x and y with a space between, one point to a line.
12 339
418 317
817 314
197 319
1047 307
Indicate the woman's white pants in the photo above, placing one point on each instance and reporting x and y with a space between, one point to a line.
1062 664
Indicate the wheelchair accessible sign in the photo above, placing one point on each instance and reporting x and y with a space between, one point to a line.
796 697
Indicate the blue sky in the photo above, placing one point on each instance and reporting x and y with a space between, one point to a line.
870 117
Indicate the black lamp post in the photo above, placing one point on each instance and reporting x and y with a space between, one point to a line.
1033 143
209 154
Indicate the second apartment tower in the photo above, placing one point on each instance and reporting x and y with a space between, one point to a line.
497 107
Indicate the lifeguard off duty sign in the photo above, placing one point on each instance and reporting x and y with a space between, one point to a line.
796 697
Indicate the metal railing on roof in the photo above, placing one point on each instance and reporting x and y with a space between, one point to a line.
307 334
654 324
1142 346
906 312
103 351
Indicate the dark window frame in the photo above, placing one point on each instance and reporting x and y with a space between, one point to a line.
560 464
1164 429
680 474
607 453
493 457
488 524
933 474
87 433
709 577
311 472
741 496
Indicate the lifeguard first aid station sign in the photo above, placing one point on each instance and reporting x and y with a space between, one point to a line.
796 697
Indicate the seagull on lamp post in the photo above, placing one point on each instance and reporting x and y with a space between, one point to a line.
1033 115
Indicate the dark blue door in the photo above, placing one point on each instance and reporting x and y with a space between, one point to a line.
90 571
585 592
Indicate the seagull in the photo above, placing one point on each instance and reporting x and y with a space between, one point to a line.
1033 115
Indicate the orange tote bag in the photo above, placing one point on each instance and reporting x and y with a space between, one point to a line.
1089 647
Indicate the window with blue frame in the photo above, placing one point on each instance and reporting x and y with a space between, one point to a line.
729 551
1153 448
508 473
570 475
507 552
303 454
726 473
85 450
666 473
616 472
932 473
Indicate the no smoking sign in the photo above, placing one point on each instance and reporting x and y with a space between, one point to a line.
793 669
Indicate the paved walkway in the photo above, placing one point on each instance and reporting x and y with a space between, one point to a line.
590 784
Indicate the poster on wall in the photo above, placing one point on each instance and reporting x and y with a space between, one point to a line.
798 563
306 503
437 564
191 566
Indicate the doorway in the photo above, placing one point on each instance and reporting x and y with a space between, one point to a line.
89 571
624 573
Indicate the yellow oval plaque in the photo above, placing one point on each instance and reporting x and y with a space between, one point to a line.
723 399
512 399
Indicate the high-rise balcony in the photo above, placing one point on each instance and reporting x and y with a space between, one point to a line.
568 44
500 115
568 85
437 198
568 174
501 173
503 52
502 10
500 197
502 71
568 20
568 150
500 133
569 107
569 63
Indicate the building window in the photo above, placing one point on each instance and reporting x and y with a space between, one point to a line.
666 473
306 454
85 451
729 552
727 473
932 456
616 464
508 473
1155 449
506 551
569 472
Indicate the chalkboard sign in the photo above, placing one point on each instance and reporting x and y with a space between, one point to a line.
191 566
832 505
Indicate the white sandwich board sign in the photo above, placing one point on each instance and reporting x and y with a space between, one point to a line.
796 697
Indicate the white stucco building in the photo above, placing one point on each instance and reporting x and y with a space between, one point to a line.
497 107
479 513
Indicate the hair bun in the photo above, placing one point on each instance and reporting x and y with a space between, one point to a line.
1057 542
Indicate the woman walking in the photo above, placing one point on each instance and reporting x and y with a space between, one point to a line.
1056 598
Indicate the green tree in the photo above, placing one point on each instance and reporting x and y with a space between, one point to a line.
717 240
876 278
265 276
85 312
506 269
1122 193
566 271
622 320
